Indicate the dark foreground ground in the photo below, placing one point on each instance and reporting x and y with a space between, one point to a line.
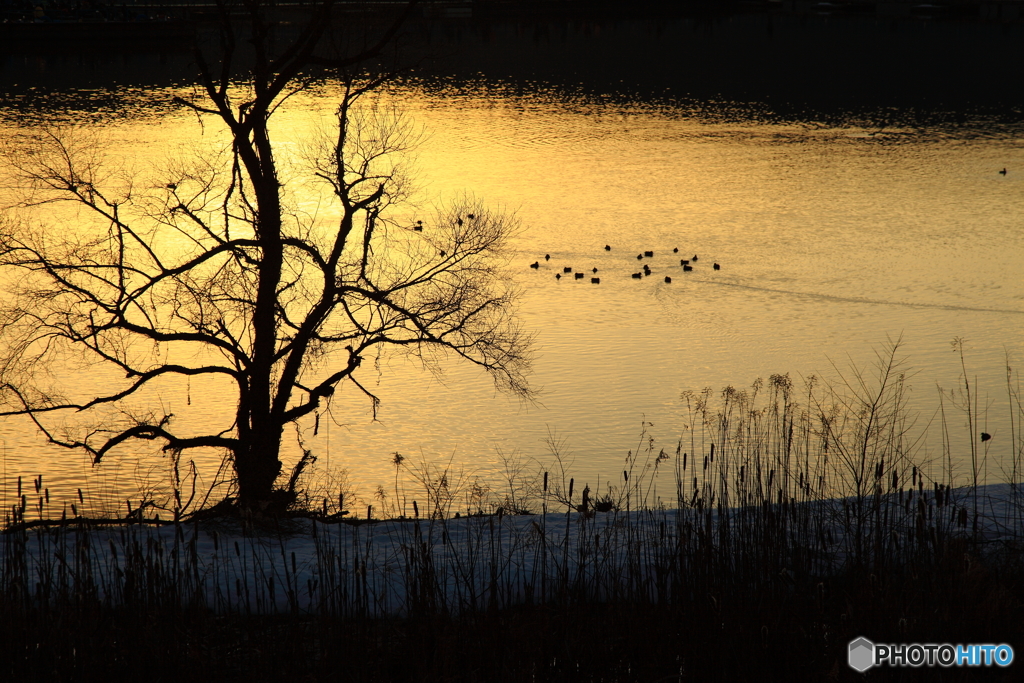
790 629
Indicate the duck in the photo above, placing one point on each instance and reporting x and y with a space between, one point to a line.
558 276
547 257
607 247
595 280
535 265
684 262
717 267
567 269
668 279
676 250
636 276
639 257
579 276
649 254
594 270
1003 172
418 227
694 259
687 269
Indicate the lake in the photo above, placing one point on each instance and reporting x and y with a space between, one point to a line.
841 221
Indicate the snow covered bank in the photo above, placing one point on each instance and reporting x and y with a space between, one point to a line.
408 566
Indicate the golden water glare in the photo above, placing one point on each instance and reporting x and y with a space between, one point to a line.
830 240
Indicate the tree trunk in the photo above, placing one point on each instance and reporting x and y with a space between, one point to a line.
257 466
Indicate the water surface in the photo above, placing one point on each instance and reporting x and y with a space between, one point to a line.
833 238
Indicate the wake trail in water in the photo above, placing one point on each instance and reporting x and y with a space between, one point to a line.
864 300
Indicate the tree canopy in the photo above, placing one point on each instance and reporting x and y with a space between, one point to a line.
212 271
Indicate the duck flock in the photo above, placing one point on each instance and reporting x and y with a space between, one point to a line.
687 266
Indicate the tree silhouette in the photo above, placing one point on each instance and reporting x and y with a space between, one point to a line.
215 272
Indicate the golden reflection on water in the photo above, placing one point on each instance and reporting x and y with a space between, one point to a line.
831 239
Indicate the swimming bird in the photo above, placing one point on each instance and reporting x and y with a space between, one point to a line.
607 247
579 276
639 257
470 216
595 280
636 276
985 436
717 267
558 276
668 279
684 262
547 257
676 250
694 259
419 226
594 270
535 265
443 253
687 269
1003 172
567 269
459 222
649 254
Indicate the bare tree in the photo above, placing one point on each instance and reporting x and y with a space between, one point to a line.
215 267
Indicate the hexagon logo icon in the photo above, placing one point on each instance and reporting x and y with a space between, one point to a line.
861 654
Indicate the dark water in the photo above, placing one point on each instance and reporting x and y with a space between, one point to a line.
892 70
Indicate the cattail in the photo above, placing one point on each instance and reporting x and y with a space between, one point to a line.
415 510
571 482
545 482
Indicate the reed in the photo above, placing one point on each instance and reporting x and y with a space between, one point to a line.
796 518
